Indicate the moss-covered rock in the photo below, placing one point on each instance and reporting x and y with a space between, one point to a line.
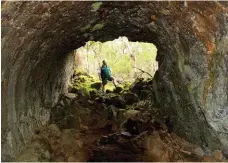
86 28
96 6
118 89
97 27
130 98
96 85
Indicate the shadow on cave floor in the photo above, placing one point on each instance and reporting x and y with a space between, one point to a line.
122 125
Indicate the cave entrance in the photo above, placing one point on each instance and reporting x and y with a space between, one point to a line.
128 60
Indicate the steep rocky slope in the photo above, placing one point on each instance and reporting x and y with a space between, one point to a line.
123 126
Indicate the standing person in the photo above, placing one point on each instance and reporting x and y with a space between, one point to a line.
106 75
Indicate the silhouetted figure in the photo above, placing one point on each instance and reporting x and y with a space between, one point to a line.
106 75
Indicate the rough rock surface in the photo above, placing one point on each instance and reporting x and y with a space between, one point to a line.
191 84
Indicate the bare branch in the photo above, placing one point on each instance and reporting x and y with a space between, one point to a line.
144 72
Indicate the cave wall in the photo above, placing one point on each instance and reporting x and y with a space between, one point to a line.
191 84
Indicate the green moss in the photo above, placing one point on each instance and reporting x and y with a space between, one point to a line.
97 27
96 85
190 88
83 29
82 82
127 85
96 6
110 86
85 91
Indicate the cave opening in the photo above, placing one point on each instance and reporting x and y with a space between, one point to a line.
128 61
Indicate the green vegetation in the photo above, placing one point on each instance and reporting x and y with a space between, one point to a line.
96 6
97 27
121 55
83 29
82 83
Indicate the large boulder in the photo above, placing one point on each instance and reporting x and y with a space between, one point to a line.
96 85
117 101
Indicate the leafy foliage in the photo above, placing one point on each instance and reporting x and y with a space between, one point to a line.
120 55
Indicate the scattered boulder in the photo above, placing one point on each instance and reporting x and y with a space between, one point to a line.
69 95
36 152
131 126
130 98
112 115
144 94
108 91
156 151
218 155
100 99
132 114
117 89
66 99
93 94
116 101
96 85
137 86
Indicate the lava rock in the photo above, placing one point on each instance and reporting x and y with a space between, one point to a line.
96 85
117 90
100 100
132 127
108 91
144 94
117 101
93 94
130 98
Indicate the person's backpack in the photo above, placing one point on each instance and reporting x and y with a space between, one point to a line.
105 72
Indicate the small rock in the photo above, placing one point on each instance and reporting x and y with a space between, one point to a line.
93 94
54 130
125 133
83 127
157 124
103 140
144 94
72 159
100 100
208 159
80 143
69 95
164 128
59 158
155 149
96 85
130 98
132 114
108 91
117 101
72 89
117 90
198 152
218 155
131 126
114 128
225 153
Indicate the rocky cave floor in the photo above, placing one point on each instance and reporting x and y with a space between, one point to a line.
122 125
